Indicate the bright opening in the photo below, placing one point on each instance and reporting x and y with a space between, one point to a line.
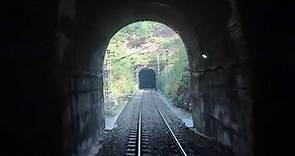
144 44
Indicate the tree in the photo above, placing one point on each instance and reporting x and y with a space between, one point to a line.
138 44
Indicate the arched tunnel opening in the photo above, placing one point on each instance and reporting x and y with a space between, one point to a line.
147 79
55 52
218 67
135 53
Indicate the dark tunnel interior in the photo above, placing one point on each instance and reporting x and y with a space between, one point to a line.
48 66
147 79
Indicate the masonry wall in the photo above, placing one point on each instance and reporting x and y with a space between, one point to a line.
79 77
221 83
83 110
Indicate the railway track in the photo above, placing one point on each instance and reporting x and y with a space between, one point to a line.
138 141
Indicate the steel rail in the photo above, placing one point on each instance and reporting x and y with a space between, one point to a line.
169 128
139 127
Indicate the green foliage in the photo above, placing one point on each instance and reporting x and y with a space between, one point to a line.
143 29
175 79
130 48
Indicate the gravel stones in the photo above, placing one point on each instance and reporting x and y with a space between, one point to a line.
157 140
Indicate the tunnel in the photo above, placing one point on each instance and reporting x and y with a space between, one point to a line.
52 57
70 57
147 79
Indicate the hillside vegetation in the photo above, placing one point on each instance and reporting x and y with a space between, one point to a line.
141 44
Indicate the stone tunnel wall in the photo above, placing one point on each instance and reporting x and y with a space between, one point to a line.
83 117
83 110
81 84
221 85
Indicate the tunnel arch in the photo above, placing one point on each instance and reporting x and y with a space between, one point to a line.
147 78
206 31
182 49
137 70
155 20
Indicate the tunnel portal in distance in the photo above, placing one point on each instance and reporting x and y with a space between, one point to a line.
147 79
